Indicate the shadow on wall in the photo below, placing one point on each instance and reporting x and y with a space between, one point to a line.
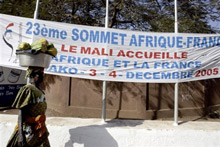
98 135
191 95
49 80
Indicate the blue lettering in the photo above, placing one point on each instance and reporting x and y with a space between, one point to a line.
156 64
155 41
117 63
75 36
165 65
135 64
179 42
183 75
71 59
183 65
198 64
171 45
125 63
162 42
133 41
139 75
73 70
37 29
190 74
53 68
63 58
105 62
196 42
94 37
105 38
114 38
145 65
204 42
174 65
62 69
212 41
129 75
84 35
156 75
218 42
98 62
165 75
175 75
55 58
190 64
149 40
147 75
44 31
53 33
86 61
189 41
141 39
63 34
122 38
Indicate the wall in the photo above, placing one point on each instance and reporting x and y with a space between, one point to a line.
83 98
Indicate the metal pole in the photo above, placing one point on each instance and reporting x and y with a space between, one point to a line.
104 82
176 84
104 101
36 9
35 15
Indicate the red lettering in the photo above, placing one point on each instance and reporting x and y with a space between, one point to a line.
63 48
206 72
184 55
103 52
168 56
96 51
85 50
137 54
163 55
157 55
111 52
73 49
176 56
128 54
121 53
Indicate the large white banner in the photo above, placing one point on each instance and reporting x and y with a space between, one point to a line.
113 54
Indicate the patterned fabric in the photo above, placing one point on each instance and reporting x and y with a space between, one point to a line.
32 102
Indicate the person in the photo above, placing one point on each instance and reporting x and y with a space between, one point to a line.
31 129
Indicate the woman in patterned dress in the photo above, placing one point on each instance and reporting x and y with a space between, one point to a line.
31 130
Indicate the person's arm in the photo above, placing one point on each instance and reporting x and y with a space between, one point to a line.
21 136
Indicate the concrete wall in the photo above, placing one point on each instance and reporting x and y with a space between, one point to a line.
69 132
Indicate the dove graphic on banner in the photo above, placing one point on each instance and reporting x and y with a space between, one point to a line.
8 32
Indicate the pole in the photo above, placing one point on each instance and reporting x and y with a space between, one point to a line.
176 84
35 15
36 9
104 82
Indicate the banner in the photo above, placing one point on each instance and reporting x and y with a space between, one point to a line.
11 80
115 55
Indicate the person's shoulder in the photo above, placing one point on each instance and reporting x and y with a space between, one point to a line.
29 86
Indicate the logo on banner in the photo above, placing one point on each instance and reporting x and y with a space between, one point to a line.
7 36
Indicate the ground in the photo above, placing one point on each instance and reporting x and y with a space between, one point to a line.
53 113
